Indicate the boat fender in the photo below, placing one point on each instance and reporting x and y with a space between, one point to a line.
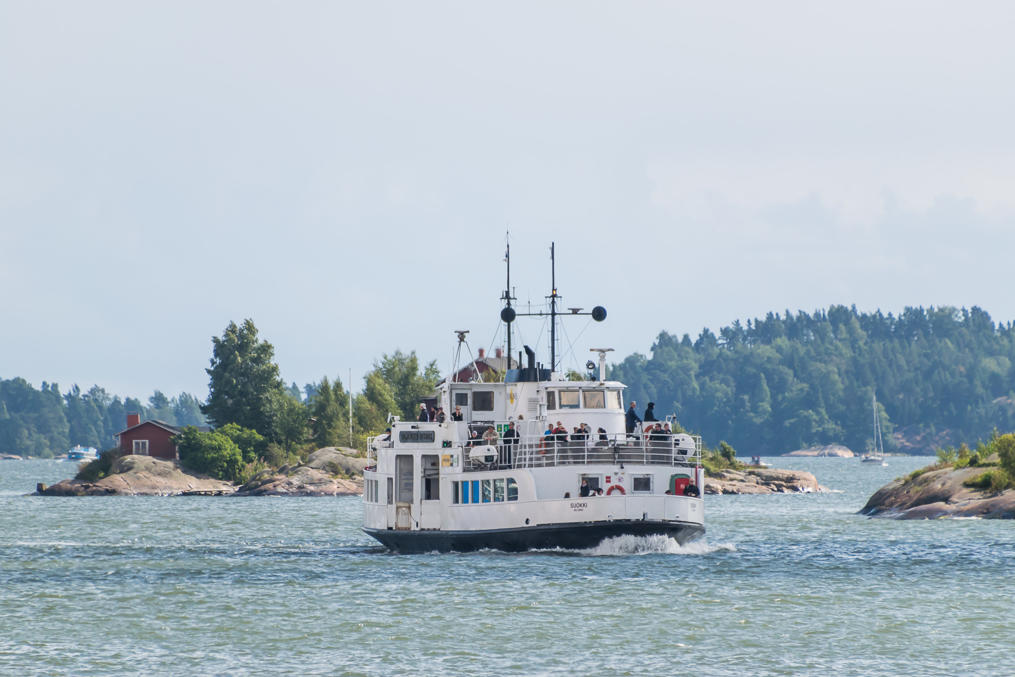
691 490
615 487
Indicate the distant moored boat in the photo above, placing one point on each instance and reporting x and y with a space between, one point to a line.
79 453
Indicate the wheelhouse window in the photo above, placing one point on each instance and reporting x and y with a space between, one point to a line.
594 399
569 399
551 399
461 399
482 400
141 447
613 400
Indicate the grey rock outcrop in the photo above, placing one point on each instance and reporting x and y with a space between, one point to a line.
828 450
141 476
762 481
329 471
940 493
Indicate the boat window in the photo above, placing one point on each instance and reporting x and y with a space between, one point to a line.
498 490
475 491
482 400
416 436
512 489
594 399
461 399
486 491
551 399
455 496
613 400
595 481
569 399
391 490
641 484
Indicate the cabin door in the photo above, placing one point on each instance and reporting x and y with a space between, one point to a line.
430 506
404 481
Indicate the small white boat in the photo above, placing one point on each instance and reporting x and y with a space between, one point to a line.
80 453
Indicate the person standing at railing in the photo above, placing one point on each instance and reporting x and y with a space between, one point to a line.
650 412
632 418
456 415
510 439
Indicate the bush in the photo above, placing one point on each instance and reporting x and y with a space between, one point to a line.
1004 447
996 480
93 471
213 454
251 443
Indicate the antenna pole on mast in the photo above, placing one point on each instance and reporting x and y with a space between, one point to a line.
553 310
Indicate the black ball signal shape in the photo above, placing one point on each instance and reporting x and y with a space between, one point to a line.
590 365
508 314
599 313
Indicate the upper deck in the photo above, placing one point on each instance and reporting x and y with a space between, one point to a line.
484 446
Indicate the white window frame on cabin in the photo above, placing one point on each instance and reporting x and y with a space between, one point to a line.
140 448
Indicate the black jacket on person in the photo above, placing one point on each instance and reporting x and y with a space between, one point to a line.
632 418
510 436
650 413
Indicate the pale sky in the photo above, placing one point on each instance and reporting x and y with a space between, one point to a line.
344 174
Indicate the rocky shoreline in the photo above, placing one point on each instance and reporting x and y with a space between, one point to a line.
937 494
762 481
326 472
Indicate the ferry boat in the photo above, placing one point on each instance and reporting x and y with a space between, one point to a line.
536 461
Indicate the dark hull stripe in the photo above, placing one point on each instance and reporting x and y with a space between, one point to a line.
568 536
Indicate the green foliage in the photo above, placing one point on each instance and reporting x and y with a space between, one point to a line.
1004 447
289 421
724 457
947 456
995 480
251 444
406 384
794 380
210 453
96 469
244 384
329 409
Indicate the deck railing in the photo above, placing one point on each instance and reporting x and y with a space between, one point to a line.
542 451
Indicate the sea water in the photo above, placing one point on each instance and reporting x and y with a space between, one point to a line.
794 584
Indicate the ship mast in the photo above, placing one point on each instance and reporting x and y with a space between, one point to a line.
508 314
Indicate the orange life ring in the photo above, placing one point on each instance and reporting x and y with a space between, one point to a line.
615 487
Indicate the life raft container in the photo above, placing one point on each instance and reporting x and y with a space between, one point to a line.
615 487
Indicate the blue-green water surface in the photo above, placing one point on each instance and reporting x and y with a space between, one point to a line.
782 585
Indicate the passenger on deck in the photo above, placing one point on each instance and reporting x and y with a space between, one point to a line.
632 418
603 438
441 416
585 489
650 412
424 415
510 438
490 435
456 415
